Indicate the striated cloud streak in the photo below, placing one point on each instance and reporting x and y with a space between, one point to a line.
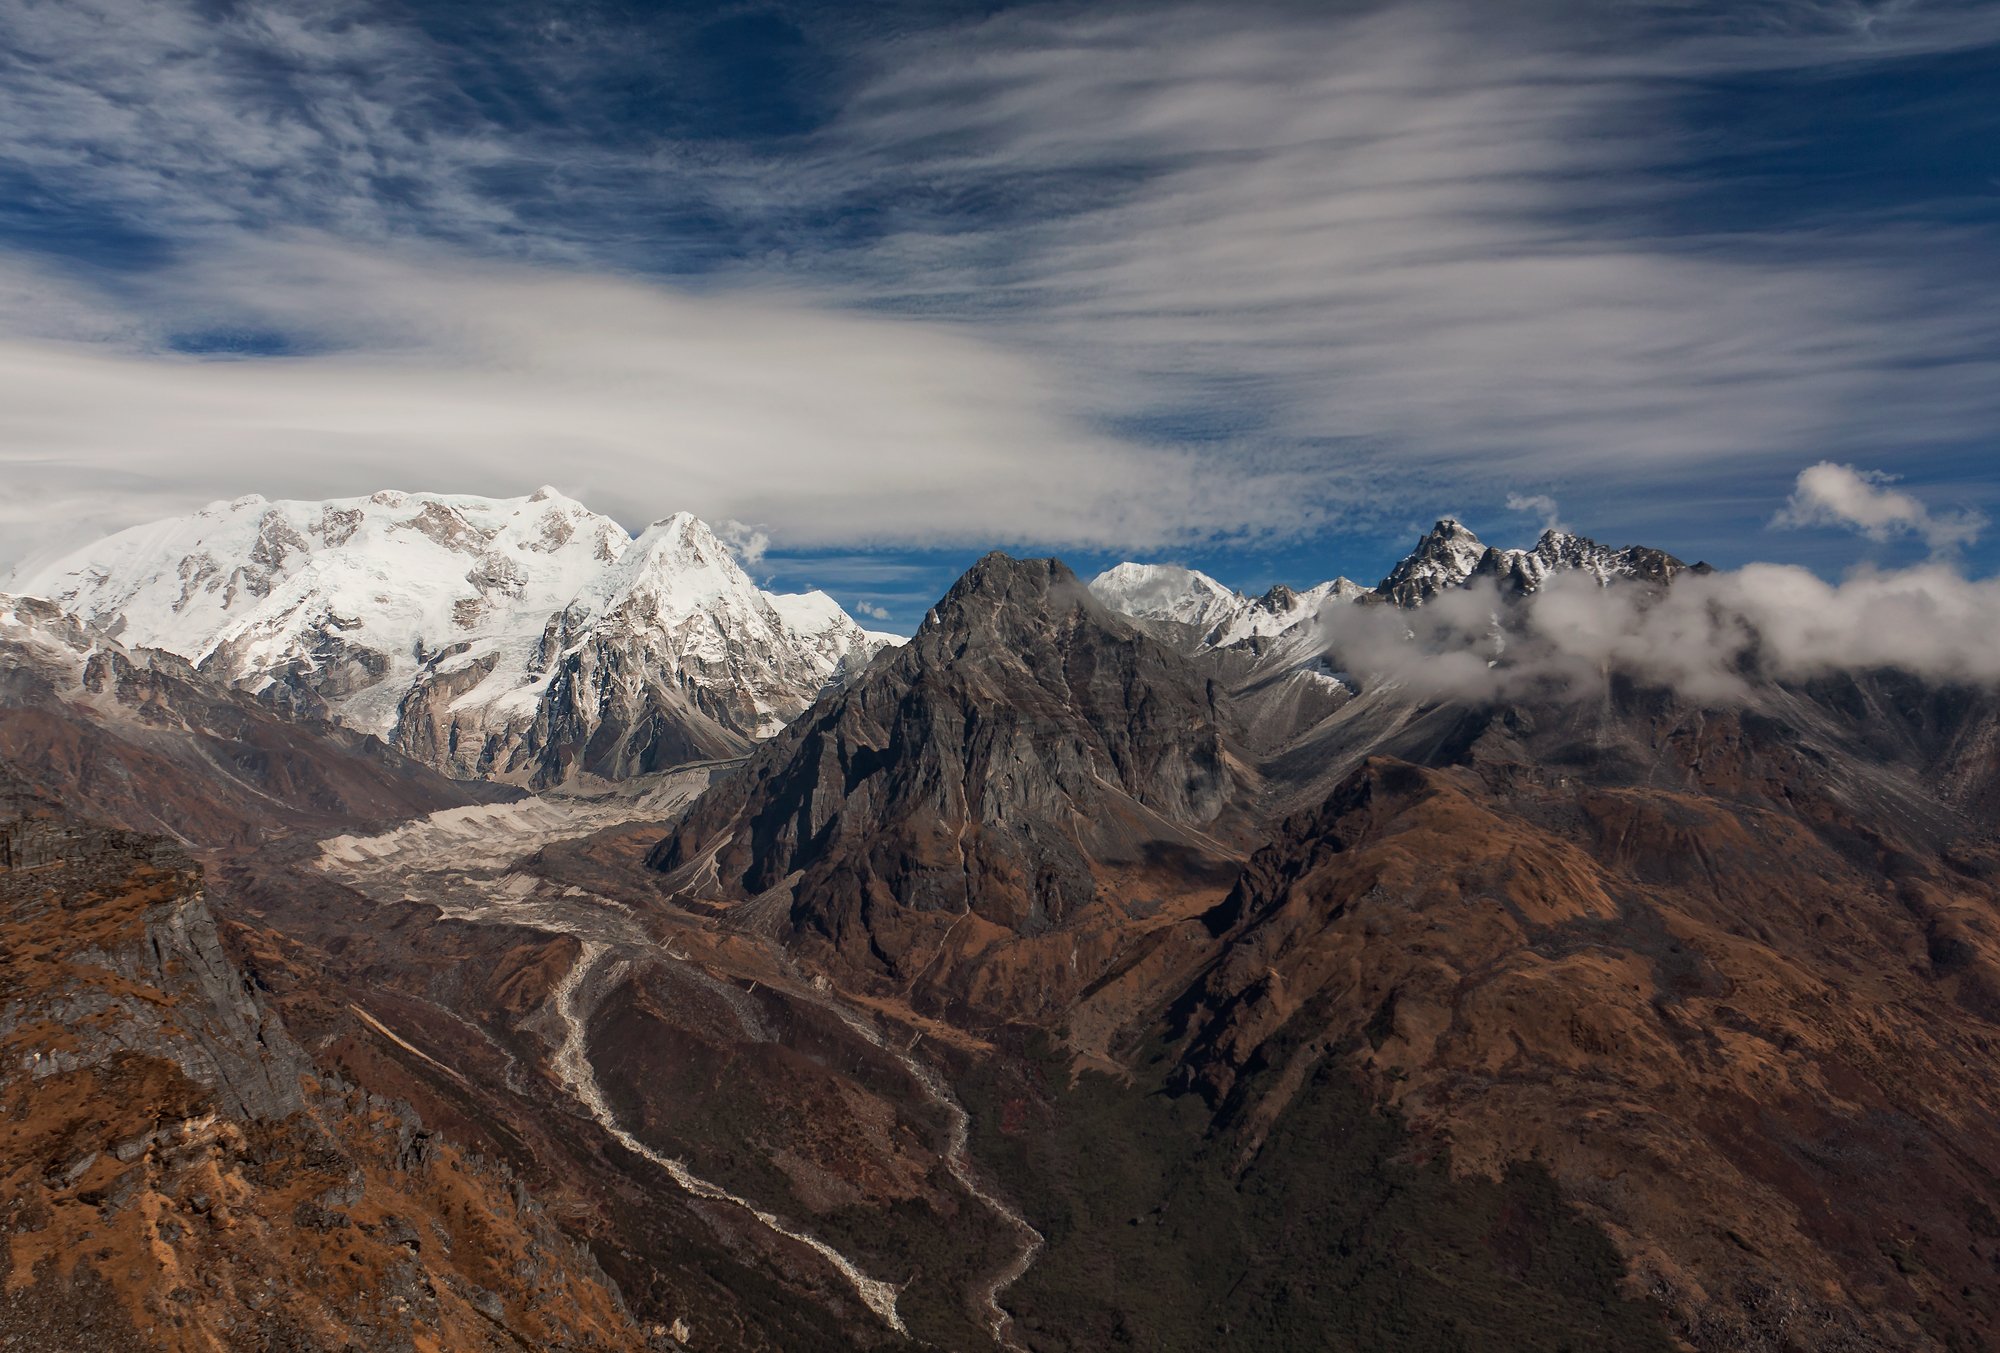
1119 276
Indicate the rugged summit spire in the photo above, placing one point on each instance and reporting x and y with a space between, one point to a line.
1445 557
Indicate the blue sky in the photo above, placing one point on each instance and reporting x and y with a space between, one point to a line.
1260 288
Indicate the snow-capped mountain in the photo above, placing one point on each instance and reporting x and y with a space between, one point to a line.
1215 616
524 639
1168 592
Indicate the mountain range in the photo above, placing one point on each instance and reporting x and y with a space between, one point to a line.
1122 964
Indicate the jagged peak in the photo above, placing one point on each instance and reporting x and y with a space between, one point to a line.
998 583
1445 557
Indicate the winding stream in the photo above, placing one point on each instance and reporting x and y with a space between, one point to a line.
958 1161
572 1065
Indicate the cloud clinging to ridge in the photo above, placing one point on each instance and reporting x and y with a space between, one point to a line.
1710 637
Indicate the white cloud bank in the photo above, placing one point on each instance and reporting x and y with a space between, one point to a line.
1709 637
1861 500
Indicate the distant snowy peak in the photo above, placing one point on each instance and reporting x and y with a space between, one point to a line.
1183 596
1450 555
522 638
1217 616
1281 610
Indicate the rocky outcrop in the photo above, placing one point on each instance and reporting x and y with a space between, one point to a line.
173 1175
983 786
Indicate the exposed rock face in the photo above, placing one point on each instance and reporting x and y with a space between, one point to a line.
141 738
525 639
982 786
172 1176
130 908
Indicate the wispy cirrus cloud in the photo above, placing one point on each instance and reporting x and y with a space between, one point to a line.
1415 232
1124 276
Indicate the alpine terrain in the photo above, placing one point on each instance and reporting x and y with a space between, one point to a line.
437 922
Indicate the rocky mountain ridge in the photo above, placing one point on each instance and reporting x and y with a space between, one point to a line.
1447 556
1582 935
981 787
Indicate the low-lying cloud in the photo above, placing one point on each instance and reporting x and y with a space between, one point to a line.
1712 637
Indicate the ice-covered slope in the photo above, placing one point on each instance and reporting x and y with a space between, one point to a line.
523 639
